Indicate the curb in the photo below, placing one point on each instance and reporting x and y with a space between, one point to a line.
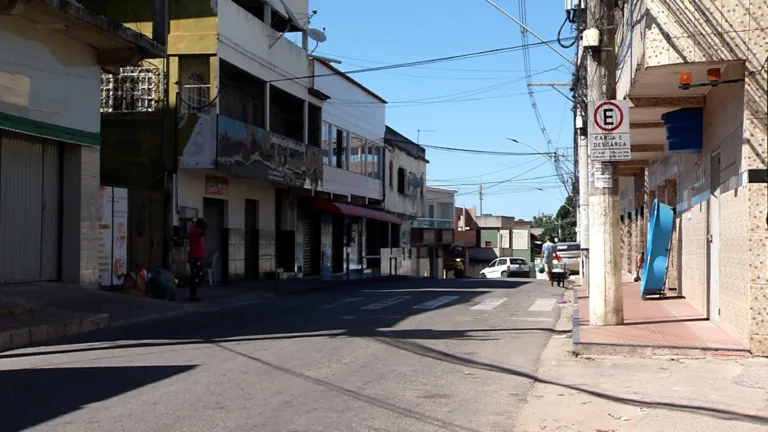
615 349
20 338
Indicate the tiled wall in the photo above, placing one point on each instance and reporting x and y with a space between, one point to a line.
692 232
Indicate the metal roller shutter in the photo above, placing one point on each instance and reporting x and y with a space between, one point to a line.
30 172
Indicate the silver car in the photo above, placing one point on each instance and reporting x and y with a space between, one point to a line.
571 256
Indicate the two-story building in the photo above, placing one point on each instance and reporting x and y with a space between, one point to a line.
498 236
238 141
404 196
53 55
695 75
342 225
433 234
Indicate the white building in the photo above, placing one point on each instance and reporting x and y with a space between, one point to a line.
50 77
343 226
249 133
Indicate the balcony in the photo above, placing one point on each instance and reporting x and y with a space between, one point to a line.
343 182
248 151
433 223
244 41
133 90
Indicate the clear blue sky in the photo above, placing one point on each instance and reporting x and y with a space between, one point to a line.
486 95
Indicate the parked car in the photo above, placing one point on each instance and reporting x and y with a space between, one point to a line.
506 267
570 255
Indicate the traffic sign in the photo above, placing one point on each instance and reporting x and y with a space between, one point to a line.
609 131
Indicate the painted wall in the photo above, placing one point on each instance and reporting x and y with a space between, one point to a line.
414 204
244 41
191 191
443 200
350 107
66 92
341 181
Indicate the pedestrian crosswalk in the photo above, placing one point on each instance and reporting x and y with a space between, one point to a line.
442 301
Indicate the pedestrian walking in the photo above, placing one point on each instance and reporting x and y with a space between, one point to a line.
548 256
196 238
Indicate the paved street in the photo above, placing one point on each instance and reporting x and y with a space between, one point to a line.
449 355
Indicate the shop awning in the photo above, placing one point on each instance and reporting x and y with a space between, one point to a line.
350 210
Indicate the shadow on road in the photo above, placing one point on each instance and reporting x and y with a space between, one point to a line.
30 397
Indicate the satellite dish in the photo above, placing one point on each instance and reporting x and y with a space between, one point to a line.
290 14
316 35
414 182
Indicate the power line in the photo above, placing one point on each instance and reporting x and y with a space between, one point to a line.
480 152
494 184
423 62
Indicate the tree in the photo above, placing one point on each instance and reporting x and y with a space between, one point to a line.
566 217
561 226
548 224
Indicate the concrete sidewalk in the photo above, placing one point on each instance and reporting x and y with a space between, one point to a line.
38 312
597 393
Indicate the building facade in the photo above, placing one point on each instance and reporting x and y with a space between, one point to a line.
713 175
433 234
404 196
50 135
239 139
343 226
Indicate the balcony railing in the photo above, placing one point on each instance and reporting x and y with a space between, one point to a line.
135 89
433 223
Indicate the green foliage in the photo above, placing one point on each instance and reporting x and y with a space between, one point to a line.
561 225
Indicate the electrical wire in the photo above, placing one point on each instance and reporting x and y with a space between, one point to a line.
559 32
494 184
452 58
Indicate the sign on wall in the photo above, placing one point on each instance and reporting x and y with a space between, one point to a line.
216 185
113 227
609 131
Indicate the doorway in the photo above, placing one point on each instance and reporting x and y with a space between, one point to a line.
714 239
214 211
251 239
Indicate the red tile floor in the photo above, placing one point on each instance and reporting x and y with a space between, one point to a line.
671 322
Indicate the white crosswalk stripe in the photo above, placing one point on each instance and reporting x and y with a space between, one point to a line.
542 305
437 302
342 302
386 302
489 304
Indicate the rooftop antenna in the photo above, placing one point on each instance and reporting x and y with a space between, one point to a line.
316 35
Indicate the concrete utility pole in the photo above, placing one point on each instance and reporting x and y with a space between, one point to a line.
606 305
481 199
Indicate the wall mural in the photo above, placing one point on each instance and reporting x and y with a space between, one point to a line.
249 151
196 138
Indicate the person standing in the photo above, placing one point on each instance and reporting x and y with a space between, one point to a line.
196 256
548 256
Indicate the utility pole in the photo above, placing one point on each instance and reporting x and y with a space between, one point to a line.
605 294
481 199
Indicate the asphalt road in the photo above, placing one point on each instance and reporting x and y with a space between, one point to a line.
420 355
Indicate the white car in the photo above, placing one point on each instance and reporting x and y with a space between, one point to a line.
506 267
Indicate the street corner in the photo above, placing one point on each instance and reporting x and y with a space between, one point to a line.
23 330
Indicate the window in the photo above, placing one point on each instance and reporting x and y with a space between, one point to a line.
518 261
196 92
502 262
356 148
340 148
401 179
488 244
493 263
391 175
373 161
135 89
431 211
325 144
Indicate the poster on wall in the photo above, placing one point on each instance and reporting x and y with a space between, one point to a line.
113 227
105 238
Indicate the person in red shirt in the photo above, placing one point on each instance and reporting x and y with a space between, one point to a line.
196 255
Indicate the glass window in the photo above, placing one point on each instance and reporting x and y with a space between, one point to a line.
493 263
431 211
373 162
339 148
502 262
356 148
325 144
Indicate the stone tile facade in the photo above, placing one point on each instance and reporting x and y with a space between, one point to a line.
735 125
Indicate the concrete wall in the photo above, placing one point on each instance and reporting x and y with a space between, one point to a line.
414 204
66 91
350 107
244 41
341 181
191 191
442 199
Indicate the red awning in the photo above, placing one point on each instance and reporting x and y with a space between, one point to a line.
350 210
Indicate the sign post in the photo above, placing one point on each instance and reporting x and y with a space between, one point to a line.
609 131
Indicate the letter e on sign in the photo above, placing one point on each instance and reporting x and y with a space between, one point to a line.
609 117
